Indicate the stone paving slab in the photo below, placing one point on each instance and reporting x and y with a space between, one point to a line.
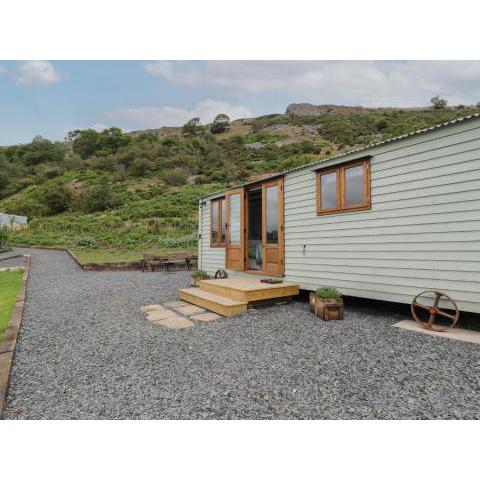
205 317
176 323
455 333
155 315
189 310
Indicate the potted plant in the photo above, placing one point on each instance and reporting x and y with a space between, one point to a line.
198 276
327 303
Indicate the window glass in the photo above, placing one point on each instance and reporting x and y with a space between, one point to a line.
223 220
354 186
272 214
328 190
214 222
234 220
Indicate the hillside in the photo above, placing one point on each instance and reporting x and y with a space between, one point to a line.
113 195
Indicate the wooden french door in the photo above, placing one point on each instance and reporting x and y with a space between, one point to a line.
273 245
235 229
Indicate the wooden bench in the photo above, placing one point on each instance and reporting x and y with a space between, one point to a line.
153 262
175 260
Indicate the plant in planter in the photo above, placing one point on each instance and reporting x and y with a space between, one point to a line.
327 303
198 276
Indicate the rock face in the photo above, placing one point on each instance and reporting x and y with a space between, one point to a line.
307 109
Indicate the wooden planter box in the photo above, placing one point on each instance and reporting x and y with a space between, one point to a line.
326 308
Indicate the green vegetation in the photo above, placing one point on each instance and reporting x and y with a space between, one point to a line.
9 286
328 292
4 236
439 103
200 274
220 124
110 193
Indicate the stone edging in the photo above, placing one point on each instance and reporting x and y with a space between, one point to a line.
7 347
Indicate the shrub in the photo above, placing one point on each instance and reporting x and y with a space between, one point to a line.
86 242
175 177
328 292
141 166
200 274
4 235
57 197
100 197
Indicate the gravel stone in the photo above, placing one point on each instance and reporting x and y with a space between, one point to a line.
7 262
86 351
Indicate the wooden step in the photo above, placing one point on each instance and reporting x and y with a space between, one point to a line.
249 290
216 303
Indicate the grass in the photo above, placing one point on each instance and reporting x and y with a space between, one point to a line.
111 255
9 286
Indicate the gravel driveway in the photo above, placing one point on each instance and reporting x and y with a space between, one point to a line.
86 351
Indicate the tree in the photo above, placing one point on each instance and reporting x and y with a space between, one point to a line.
438 103
85 142
220 124
89 142
41 150
111 139
192 127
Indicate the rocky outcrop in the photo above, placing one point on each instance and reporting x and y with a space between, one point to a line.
309 110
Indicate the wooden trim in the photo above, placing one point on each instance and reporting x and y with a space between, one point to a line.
218 243
340 170
320 210
229 247
280 245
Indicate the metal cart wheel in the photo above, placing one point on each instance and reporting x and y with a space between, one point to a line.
434 310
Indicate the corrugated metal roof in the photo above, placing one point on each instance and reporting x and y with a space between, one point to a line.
357 150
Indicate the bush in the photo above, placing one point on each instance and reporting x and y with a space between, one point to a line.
328 292
175 177
100 197
200 274
141 166
4 236
57 197
86 242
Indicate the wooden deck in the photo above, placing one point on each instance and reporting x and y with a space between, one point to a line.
231 296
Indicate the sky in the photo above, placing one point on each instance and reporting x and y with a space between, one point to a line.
49 98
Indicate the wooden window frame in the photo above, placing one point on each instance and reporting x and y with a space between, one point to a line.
340 171
218 243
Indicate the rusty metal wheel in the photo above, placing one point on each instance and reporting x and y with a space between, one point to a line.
434 310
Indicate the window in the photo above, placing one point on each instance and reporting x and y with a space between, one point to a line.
217 223
344 188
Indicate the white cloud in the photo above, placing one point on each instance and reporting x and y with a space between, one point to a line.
374 83
37 72
155 117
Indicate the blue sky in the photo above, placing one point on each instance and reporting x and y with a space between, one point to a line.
50 98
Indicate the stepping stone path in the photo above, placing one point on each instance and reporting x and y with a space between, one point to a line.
177 315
